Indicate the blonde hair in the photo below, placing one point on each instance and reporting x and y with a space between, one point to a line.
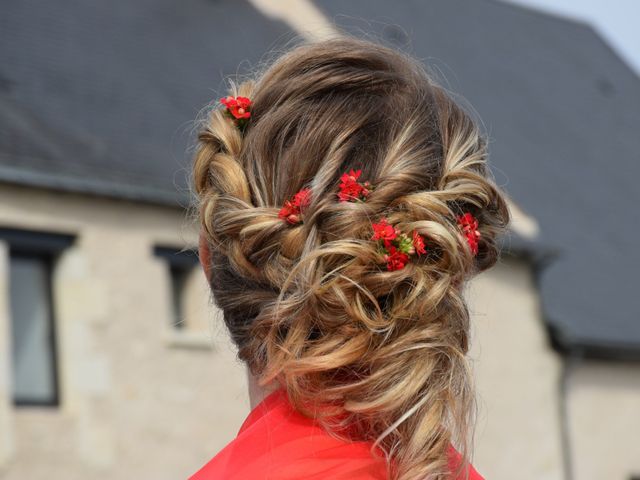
310 305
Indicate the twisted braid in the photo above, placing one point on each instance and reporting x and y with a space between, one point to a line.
383 353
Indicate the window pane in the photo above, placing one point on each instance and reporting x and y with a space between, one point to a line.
179 278
32 331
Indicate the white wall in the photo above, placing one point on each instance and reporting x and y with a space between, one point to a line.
142 401
604 420
138 401
518 433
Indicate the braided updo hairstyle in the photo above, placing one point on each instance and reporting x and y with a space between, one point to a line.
310 305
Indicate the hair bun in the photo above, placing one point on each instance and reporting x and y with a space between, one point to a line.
316 293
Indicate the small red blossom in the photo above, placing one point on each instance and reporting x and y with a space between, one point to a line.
396 246
302 199
351 189
395 259
289 212
418 243
385 232
292 209
237 108
469 225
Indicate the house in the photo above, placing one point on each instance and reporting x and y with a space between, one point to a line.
113 362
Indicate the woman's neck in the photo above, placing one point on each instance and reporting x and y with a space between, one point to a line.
257 393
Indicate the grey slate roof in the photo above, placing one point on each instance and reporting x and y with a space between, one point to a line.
98 97
563 114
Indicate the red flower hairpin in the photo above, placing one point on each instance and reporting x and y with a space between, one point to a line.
396 246
238 109
469 226
292 209
351 190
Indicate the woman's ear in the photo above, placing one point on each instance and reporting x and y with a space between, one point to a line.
204 254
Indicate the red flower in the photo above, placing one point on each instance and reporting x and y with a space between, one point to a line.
418 243
302 199
351 189
385 232
469 226
289 212
396 246
395 259
238 107
293 208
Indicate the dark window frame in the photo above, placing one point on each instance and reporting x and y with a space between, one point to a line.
34 241
42 246
54 363
181 262
177 257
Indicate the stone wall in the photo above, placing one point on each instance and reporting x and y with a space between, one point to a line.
139 399
518 427
603 407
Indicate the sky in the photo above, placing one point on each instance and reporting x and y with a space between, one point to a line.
616 21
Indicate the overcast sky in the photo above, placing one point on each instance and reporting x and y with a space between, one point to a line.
616 20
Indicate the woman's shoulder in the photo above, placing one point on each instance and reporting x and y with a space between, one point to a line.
454 463
277 442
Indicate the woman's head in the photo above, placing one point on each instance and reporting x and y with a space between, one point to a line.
312 304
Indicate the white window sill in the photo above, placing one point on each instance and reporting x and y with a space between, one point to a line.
191 340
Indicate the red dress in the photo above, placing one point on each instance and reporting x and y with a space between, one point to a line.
275 442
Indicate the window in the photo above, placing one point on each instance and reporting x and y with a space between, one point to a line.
32 331
34 379
181 266
179 277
